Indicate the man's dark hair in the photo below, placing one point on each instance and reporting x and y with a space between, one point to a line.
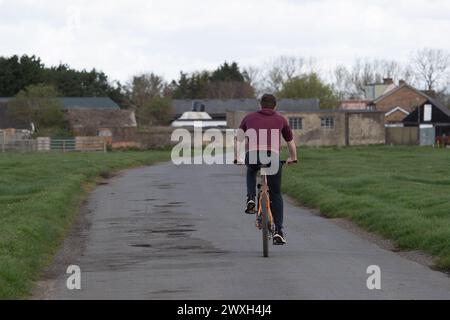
268 101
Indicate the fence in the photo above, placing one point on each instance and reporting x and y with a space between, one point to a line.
19 146
402 136
78 144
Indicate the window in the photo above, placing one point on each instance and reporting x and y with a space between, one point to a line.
327 123
296 123
427 112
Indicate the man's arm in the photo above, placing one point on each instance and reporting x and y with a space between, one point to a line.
237 158
292 152
240 142
288 135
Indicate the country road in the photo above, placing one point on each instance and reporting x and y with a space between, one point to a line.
167 232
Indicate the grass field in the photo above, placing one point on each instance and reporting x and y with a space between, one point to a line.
398 192
39 196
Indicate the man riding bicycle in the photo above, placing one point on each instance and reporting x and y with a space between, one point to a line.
268 126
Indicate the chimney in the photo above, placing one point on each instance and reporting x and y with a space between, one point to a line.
401 82
196 106
388 81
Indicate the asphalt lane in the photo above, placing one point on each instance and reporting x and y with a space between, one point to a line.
178 232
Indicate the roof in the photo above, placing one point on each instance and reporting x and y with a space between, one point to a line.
355 100
412 118
82 102
215 106
191 115
91 103
327 111
439 105
95 118
405 85
354 104
6 122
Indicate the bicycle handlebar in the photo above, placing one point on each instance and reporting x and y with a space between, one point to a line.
293 162
282 162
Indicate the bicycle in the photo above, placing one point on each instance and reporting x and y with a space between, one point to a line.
264 218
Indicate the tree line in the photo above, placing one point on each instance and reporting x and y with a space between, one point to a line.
17 73
286 76
293 77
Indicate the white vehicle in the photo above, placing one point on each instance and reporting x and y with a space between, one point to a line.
197 119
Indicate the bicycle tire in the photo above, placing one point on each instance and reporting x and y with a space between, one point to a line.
265 229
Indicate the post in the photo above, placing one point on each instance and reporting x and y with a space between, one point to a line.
418 122
3 141
64 146
104 146
347 129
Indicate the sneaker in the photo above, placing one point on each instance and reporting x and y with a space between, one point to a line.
279 239
251 207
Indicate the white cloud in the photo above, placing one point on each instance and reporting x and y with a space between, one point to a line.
166 36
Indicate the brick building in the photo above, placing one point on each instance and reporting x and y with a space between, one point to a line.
398 103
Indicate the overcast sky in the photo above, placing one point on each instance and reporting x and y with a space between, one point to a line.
124 37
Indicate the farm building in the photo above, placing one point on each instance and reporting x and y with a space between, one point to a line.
329 127
433 119
399 102
86 115
217 109
117 124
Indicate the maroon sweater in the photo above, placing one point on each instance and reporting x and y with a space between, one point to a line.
270 120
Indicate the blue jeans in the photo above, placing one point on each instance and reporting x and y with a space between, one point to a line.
274 183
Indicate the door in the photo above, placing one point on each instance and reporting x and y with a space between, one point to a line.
427 135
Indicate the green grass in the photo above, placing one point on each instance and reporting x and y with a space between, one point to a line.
39 197
398 192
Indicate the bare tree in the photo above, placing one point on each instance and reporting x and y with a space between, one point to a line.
288 67
343 85
253 76
350 82
388 69
407 74
367 71
276 73
284 68
362 73
431 67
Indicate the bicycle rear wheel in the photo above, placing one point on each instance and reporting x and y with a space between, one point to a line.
265 229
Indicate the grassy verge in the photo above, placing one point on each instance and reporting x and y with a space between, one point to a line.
39 196
401 193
